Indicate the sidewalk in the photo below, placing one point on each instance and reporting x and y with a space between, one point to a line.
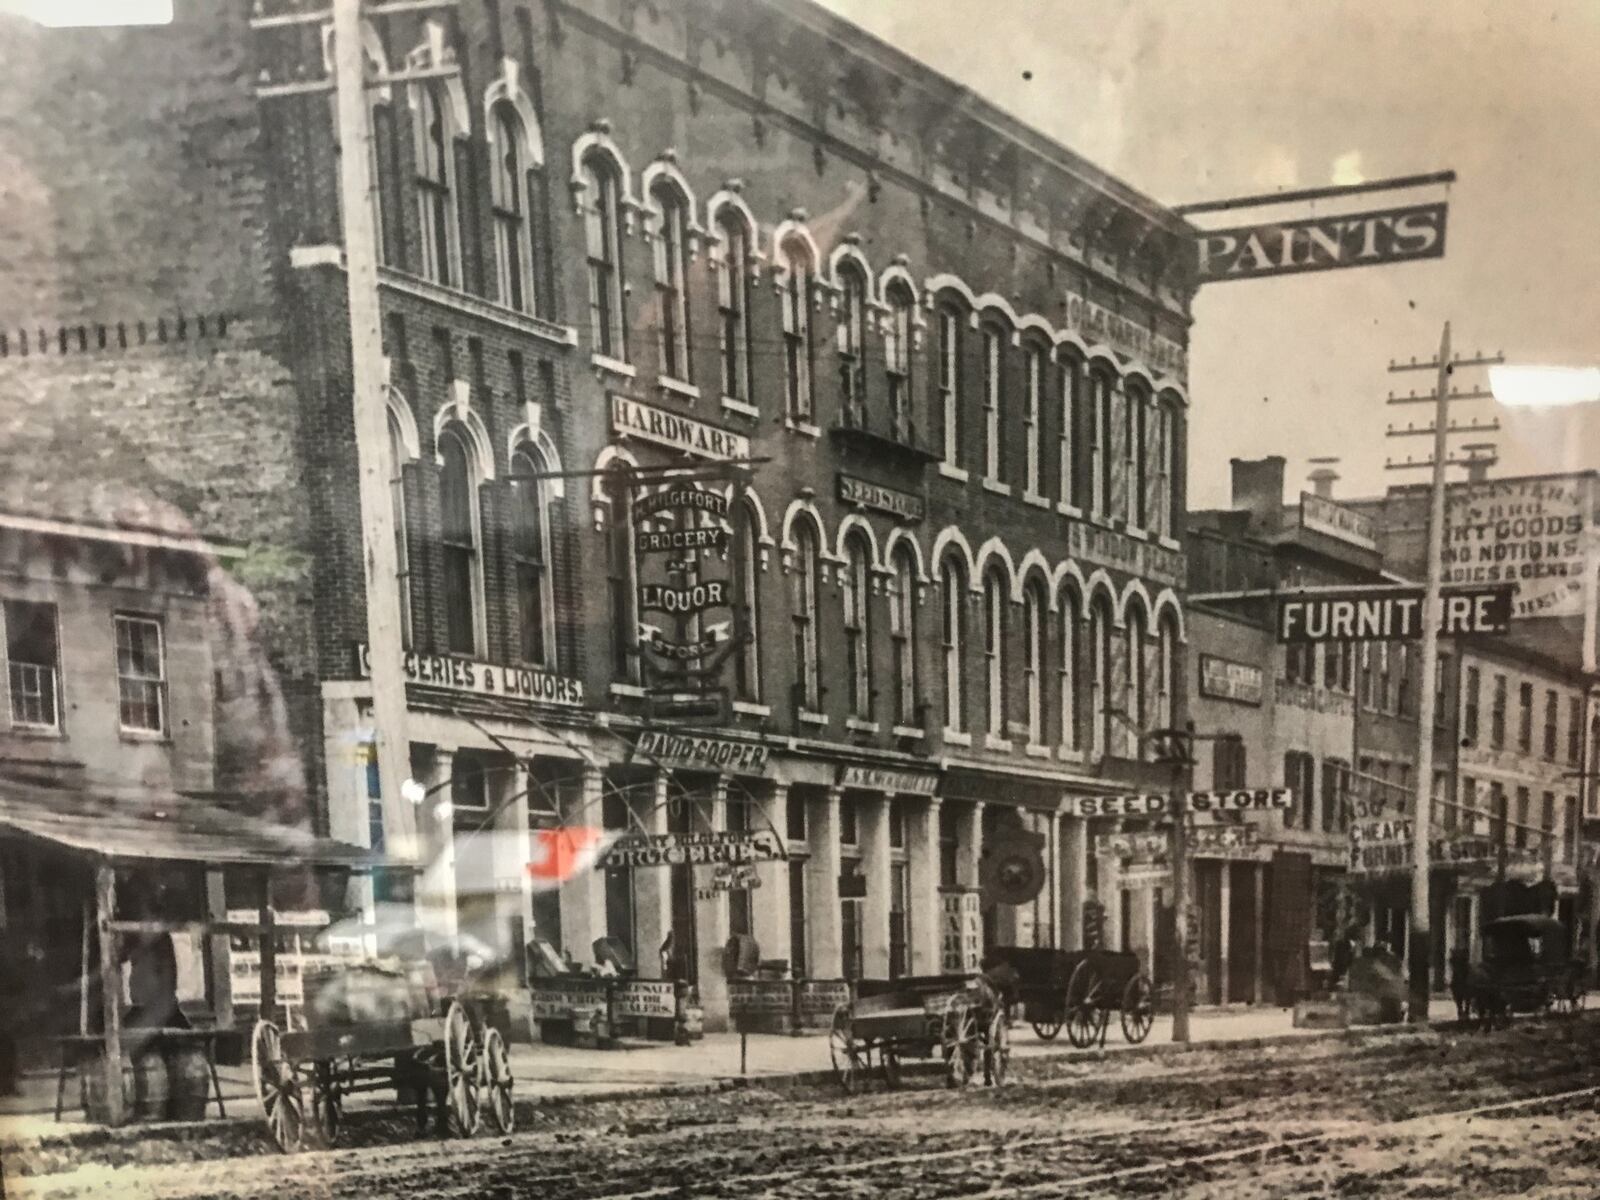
545 1072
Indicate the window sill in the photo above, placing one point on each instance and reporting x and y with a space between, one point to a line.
613 366
678 387
1036 500
729 404
807 717
957 738
630 690
950 471
149 736
1036 750
995 486
908 731
48 733
750 708
804 428
1134 531
861 725
1069 510
993 741
1171 543
490 310
1068 754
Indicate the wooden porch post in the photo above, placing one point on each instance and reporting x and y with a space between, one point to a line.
269 951
110 987
217 951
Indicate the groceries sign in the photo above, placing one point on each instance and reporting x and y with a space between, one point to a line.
1328 243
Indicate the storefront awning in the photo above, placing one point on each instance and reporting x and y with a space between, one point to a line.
146 825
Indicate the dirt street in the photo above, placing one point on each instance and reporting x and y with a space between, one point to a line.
1387 1117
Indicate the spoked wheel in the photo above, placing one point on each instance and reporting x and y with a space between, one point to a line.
849 1060
498 1105
889 1061
327 1106
277 1085
960 1045
1047 1030
1138 1009
997 1047
1083 1026
462 1072
1083 1021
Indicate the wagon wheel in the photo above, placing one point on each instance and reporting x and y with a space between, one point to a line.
498 1105
327 1106
462 1073
1083 1021
277 1085
1138 1009
889 1061
847 1055
1047 1030
959 1044
997 1047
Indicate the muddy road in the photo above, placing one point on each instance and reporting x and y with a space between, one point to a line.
1435 1114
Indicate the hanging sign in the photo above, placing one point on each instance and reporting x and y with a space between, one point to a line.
1390 614
1328 243
634 418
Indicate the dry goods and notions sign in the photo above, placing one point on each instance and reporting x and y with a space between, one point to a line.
1328 243
1530 532
1390 614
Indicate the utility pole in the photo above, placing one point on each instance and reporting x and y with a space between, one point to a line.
385 642
1420 945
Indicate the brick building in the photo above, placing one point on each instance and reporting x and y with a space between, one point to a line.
623 237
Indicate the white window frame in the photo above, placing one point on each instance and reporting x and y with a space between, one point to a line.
1033 608
437 200
903 630
602 230
733 302
808 566
1032 469
475 479
953 587
798 290
541 508
994 651
1066 669
950 383
512 208
993 399
855 595
1069 384
158 682
672 282
55 673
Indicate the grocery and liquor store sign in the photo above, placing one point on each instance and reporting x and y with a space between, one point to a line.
1156 804
477 678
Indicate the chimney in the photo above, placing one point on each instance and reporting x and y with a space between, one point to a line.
1258 490
1480 457
1323 476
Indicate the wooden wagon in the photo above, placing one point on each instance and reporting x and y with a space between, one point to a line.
1078 990
448 1063
1527 967
957 1019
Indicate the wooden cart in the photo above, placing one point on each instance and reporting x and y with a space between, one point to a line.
955 1018
302 1077
1527 967
1078 990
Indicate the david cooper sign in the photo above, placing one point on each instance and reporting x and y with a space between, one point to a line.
1329 243
1391 614
468 675
706 753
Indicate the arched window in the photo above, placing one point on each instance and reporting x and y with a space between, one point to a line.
1100 676
1138 689
949 324
853 344
1166 670
602 225
993 402
513 243
672 292
1033 467
530 552
796 304
434 140
747 563
1067 670
807 567
385 176
1070 380
1033 608
620 576
897 357
903 631
1136 419
953 589
459 537
1166 467
402 544
857 626
733 303
1100 472
994 651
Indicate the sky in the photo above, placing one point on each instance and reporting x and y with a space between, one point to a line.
1207 99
